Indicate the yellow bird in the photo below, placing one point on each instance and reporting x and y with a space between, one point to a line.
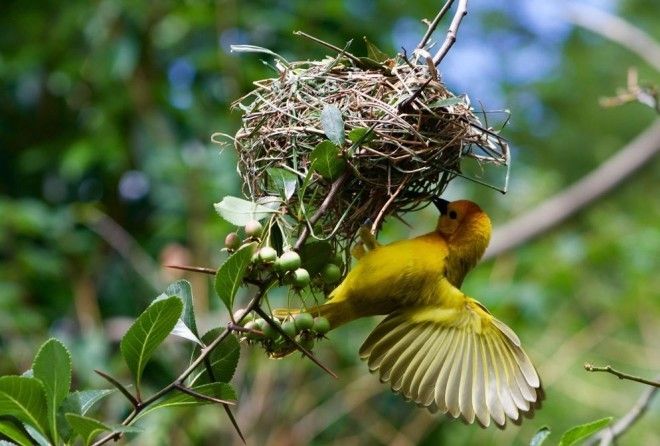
437 347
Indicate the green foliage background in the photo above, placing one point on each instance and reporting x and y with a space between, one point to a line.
106 109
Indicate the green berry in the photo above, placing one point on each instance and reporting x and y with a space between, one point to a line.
331 273
289 327
321 325
303 321
289 261
252 325
300 278
232 241
269 331
338 259
267 254
253 228
307 342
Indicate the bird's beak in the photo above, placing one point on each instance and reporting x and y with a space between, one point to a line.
440 204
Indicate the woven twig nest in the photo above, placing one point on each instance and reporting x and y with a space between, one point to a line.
385 138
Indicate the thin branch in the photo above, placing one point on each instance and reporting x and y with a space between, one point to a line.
302 349
353 58
195 269
461 11
122 242
182 377
201 396
621 375
119 387
616 29
550 213
321 210
609 435
434 24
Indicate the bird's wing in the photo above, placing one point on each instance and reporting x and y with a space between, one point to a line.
459 360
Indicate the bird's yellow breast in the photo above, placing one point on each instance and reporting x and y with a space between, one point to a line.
402 274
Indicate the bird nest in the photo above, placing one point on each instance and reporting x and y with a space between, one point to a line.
356 141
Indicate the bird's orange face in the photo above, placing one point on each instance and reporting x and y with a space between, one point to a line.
457 213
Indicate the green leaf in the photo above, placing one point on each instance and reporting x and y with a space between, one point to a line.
314 256
182 289
52 366
326 160
238 211
360 135
333 124
88 428
230 275
147 332
285 182
25 399
583 431
14 433
540 436
446 102
81 401
374 53
218 390
224 358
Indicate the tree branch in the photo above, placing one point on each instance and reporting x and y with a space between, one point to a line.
609 435
616 29
461 11
434 24
621 375
558 208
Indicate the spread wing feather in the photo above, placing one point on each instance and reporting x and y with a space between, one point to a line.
465 363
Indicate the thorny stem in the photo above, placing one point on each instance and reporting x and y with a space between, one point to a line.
302 349
434 24
461 11
206 351
321 210
621 375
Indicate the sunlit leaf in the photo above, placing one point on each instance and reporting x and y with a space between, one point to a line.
446 102
147 332
182 289
24 398
577 433
85 399
230 275
52 366
238 211
333 124
285 182
223 359
88 428
326 160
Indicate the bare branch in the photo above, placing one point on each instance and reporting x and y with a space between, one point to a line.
558 208
434 24
621 375
609 435
616 29
461 11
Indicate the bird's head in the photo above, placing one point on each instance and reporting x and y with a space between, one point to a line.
465 226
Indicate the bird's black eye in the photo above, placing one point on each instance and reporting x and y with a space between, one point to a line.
453 215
